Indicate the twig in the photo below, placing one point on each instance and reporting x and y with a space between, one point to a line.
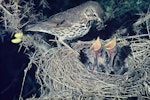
147 25
131 37
142 20
5 10
25 73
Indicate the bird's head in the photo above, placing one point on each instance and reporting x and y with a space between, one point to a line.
94 12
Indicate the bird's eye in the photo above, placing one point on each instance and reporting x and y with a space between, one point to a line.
94 15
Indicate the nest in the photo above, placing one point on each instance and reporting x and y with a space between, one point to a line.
62 75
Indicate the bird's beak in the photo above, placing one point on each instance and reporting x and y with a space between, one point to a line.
99 20
99 24
110 46
96 45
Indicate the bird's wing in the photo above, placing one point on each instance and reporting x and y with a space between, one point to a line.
48 24
59 20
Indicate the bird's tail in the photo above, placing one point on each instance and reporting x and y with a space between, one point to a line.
40 27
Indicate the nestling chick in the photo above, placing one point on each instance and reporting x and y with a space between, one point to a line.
107 57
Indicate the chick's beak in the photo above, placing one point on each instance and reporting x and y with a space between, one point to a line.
110 46
96 45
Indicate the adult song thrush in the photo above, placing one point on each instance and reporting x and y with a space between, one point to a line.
72 23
